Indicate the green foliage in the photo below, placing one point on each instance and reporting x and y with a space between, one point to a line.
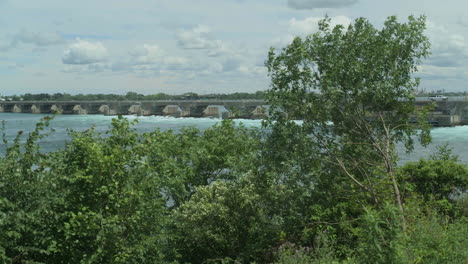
112 210
444 152
26 202
324 190
183 161
224 195
353 89
434 178
288 254
223 220
379 238
80 205
440 181
431 240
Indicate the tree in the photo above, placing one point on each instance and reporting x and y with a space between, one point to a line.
190 158
111 209
440 182
224 220
26 200
134 96
353 88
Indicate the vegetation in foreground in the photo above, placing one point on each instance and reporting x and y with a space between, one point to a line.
327 190
225 195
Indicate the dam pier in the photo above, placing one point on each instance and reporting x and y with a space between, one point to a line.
177 108
445 113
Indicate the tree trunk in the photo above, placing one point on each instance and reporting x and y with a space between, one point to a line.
397 196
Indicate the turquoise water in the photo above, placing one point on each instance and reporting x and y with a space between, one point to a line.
455 137
61 123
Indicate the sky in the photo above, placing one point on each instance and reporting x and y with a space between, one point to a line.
201 46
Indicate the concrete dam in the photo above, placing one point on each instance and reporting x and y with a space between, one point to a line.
176 108
445 113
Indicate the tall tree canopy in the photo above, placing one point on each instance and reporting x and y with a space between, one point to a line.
354 89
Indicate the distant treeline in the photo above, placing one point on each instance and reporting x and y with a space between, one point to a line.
132 96
160 96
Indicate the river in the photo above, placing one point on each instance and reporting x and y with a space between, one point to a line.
455 137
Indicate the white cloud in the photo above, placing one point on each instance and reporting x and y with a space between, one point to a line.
141 63
304 27
448 49
140 58
85 52
197 38
436 78
282 41
149 60
310 25
253 70
176 63
146 54
200 37
87 68
311 4
220 50
229 64
38 39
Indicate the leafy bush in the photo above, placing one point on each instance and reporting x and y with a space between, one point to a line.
224 195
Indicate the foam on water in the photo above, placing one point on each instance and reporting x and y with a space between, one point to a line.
455 137
61 123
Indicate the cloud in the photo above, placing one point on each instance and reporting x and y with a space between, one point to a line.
38 39
4 47
146 54
200 37
177 63
304 27
150 59
182 66
197 38
140 57
253 70
87 68
448 49
84 52
310 25
231 64
311 4
462 21
220 50
433 72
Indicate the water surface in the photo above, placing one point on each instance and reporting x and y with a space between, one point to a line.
455 137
